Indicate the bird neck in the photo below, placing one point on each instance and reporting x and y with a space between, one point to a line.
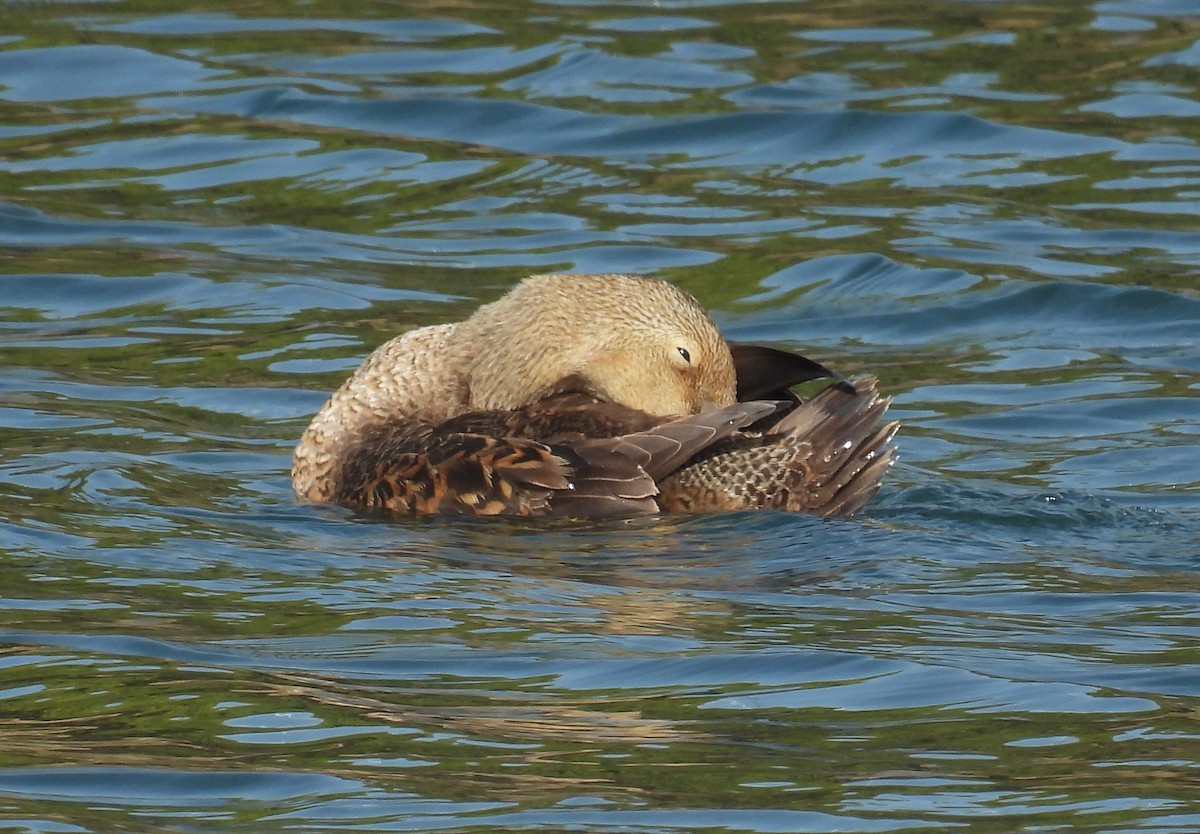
413 378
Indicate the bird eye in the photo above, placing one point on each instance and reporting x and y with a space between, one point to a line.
687 357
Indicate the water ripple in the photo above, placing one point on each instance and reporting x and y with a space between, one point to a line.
208 219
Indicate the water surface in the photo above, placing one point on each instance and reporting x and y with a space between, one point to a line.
209 215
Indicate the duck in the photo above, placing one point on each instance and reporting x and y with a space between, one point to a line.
592 396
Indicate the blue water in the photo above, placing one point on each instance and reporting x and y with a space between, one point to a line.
208 215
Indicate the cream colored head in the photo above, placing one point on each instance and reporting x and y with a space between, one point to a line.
636 341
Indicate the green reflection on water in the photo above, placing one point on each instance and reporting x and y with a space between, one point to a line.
168 519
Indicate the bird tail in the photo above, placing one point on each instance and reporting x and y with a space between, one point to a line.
826 456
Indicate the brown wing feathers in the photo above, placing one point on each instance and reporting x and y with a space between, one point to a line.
764 373
827 456
848 457
460 473
645 457
379 440
574 455
445 470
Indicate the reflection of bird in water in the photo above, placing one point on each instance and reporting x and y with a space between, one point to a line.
590 395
